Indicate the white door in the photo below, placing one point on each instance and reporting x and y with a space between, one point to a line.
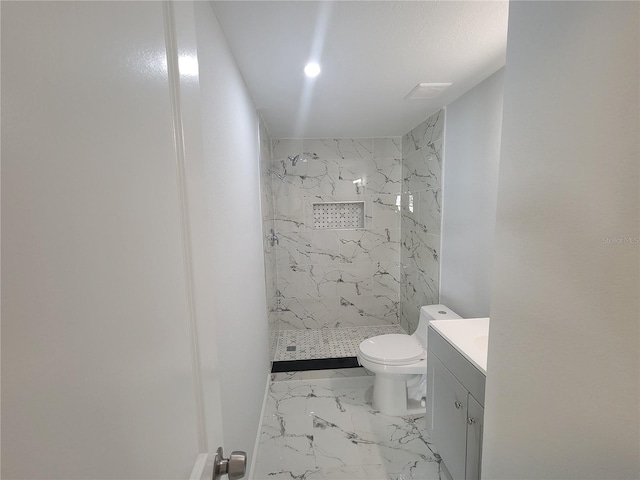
104 374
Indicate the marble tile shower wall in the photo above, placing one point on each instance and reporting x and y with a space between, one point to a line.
267 227
421 218
336 278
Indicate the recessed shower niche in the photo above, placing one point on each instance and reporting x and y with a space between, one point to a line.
338 215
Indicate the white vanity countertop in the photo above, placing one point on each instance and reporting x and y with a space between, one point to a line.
470 336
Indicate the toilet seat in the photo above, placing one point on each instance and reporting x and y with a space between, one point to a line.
392 349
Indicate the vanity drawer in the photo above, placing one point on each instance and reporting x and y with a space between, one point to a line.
466 373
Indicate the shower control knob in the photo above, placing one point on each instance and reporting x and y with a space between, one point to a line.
235 466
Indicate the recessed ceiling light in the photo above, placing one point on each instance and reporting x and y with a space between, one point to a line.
312 69
427 90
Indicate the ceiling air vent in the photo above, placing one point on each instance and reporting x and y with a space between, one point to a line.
423 91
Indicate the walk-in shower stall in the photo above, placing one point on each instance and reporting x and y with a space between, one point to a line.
351 240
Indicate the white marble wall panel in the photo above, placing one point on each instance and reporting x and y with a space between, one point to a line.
322 177
422 169
324 246
385 212
334 312
331 278
339 148
421 218
421 251
359 310
372 246
405 310
382 273
289 210
429 211
417 289
387 147
308 313
384 176
385 245
292 280
268 224
386 279
281 149
293 246
385 173
422 211
424 134
323 280
355 279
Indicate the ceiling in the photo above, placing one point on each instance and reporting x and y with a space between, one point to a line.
372 53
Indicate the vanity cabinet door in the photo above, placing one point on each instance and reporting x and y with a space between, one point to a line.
449 421
475 423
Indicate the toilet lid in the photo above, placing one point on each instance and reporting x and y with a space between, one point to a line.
392 349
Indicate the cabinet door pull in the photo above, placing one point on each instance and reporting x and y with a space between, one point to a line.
458 405
471 421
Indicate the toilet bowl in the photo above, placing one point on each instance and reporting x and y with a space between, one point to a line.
399 363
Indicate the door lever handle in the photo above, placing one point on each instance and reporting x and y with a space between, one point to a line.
235 466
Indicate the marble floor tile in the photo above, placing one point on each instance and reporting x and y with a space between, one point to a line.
325 429
350 472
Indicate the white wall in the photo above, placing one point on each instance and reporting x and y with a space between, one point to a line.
231 145
470 190
562 390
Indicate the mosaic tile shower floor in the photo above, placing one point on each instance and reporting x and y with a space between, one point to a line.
326 342
326 429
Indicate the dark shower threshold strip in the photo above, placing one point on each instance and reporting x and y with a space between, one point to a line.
314 364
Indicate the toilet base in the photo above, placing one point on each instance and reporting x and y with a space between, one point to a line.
390 396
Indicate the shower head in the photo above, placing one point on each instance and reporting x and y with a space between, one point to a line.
294 160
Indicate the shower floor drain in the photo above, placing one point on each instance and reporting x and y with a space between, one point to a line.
326 342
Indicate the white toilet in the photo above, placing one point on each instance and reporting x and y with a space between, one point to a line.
400 364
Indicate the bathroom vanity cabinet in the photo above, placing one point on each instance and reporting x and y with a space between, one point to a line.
455 407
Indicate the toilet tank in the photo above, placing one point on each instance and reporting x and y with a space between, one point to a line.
432 312
437 312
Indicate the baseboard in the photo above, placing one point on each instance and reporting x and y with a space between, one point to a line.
198 471
257 444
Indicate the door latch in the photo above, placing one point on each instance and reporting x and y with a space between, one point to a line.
235 466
